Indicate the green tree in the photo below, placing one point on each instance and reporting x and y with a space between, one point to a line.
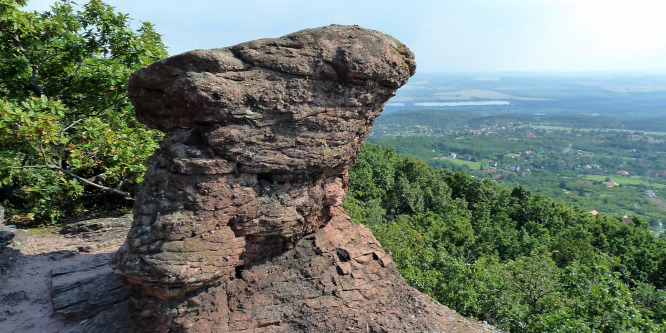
517 259
412 252
598 297
68 131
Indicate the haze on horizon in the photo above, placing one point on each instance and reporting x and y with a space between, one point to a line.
446 36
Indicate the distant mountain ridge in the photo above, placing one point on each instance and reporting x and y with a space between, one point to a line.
623 95
450 119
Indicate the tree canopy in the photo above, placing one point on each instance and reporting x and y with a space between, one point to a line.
68 131
514 258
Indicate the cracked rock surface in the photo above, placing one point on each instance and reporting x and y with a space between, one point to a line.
238 225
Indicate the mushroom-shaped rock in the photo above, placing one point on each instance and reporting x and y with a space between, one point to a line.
238 224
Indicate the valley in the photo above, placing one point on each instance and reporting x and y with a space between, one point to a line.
591 154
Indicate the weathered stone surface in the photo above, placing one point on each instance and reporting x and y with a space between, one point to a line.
238 225
6 237
55 288
101 233
337 279
8 255
82 291
258 140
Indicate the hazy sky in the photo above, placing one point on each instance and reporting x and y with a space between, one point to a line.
445 35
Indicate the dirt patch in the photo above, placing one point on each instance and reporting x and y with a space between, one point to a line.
26 303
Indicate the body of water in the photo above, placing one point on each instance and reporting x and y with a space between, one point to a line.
473 103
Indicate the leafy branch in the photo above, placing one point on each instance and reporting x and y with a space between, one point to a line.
77 177
64 112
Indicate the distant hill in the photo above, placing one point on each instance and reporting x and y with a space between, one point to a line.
620 95
444 119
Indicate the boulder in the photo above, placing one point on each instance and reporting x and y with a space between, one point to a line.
238 226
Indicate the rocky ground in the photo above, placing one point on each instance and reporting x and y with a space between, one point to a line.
58 280
46 273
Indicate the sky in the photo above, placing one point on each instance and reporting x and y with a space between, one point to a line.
445 35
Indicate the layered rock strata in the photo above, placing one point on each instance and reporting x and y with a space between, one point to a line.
238 225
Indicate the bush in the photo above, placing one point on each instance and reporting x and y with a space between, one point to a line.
69 135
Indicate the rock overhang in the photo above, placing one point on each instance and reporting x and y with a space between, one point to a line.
304 95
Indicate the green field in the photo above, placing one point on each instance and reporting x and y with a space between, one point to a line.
470 164
624 180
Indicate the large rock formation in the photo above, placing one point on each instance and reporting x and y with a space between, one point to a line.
238 225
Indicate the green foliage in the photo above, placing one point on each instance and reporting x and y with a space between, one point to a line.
569 158
517 259
69 134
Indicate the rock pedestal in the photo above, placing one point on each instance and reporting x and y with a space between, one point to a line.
238 225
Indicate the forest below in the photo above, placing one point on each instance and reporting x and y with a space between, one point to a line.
517 259
551 206
579 159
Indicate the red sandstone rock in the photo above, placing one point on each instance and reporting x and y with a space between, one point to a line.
238 225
